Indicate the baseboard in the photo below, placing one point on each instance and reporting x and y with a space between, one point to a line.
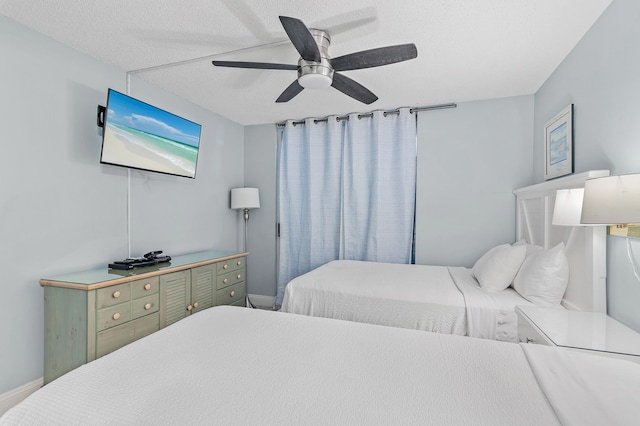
261 301
13 397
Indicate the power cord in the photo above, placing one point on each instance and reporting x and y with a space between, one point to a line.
632 259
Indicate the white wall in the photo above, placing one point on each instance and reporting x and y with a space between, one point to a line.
601 77
470 159
61 211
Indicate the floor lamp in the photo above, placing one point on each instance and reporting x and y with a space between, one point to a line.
245 199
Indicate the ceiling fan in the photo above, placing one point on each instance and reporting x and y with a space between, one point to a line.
317 70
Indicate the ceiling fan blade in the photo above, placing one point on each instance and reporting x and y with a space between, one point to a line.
290 92
354 89
255 65
375 57
301 38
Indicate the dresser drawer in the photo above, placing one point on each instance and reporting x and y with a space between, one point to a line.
113 315
145 305
230 295
109 340
527 333
230 265
229 279
113 295
142 288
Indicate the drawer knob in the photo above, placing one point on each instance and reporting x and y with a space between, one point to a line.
238 276
116 316
239 262
147 306
225 266
147 286
195 305
225 281
116 294
189 308
233 293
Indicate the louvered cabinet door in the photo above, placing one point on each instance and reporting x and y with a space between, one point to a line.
175 297
203 280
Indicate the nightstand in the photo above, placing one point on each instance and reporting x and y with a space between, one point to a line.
576 330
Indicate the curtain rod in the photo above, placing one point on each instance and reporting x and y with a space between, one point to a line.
370 114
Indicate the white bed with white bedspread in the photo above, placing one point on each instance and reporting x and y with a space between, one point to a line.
424 297
452 299
230 365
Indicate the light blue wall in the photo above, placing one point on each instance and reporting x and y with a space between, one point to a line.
470 159
601 77
61 211
260 172
181 215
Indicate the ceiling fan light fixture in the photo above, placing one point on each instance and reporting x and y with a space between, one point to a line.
315 81
316 69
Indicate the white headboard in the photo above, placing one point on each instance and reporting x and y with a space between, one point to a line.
585 245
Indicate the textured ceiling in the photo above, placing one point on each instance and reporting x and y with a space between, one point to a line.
467 49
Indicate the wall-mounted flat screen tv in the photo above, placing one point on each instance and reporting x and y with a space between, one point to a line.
141 136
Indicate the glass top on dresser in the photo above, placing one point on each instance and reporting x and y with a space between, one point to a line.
96 276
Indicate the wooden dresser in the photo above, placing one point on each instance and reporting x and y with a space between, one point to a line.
89 314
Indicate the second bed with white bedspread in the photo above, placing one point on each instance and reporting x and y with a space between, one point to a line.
431 298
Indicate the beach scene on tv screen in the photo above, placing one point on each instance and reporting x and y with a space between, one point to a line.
145 137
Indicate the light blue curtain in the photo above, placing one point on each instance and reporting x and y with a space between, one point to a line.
309 197
379 187
346 190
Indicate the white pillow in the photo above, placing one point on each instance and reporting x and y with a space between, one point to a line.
496 269
543 277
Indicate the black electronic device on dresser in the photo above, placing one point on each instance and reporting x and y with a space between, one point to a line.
149 259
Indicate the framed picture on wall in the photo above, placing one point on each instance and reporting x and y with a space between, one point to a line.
558 144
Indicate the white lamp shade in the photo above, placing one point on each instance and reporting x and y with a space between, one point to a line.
568 207
245 198
613 200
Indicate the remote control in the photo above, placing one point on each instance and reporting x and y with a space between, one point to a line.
127 261
135 263
123 266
